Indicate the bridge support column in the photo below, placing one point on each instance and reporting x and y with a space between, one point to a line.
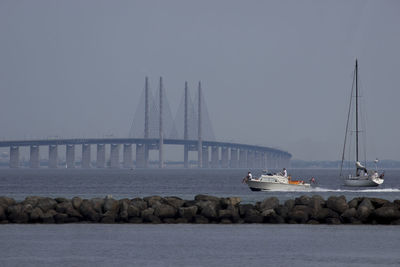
101 156
34 157
224 157
242 158
205 160
70 157
53 156
257 159
127 156
140 156
86 156
250 159
214 157
114 156
186 156
14 157
234 158
263 160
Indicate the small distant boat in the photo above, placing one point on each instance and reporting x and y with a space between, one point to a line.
276 182
362 176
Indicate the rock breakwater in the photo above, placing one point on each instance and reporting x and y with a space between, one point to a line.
202 209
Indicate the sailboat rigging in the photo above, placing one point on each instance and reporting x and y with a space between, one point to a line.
362 177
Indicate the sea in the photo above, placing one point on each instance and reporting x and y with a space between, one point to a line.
87 244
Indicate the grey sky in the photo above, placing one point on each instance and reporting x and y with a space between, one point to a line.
275 73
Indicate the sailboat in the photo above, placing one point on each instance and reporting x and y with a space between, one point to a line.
362 176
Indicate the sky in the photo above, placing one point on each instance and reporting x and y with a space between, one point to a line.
273 73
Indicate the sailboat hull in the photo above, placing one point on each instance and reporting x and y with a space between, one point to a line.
362 182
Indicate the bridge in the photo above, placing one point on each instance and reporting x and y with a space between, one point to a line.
153 129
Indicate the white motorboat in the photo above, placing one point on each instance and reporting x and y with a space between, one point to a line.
362 177
276 182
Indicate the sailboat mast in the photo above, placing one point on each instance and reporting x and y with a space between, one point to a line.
356 110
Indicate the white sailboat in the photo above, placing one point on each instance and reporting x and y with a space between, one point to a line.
362 176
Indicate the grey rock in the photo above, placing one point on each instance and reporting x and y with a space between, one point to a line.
206 198
139 203
46 204
187 212
378 202
349 215
302 200
62 207
165 211
289 203
147 212
200 219
5 202
88 212
151 219
76 202
96 204
386 214
153 200
60 218
337 204
133 211
354 203
17 214
269 203
3 215
36 215
111 206
229 201
175 202
135 220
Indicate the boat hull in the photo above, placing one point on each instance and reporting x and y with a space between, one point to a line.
360 182
255 185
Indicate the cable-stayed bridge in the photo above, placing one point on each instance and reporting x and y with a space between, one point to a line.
154 128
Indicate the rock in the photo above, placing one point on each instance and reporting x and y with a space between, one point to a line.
108 217
303 200
378 202
87 211
48 217
269 212
36 215
133 211
229 213
71 212
254 218
153 200
289 203
229 201
150 218
299 216
333 221
189 203
76 202
386 214
61 199
3 215
209 212
324 214
175 202
282 211
337 204
244 209
5 202
97 204
200 219
206 198
364 210
269 203
135 220
354 203
60 218
274 218
349 216
33 200
225 221
165 211
46 204
62 207
312 222
169 220
111 206
147 212
187 212
182 220
17 214
139 203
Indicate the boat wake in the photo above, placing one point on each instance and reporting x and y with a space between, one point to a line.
320 189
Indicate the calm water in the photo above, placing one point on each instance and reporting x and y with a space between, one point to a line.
189 245
198 245
19 183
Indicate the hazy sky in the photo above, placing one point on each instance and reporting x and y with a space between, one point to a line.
275 73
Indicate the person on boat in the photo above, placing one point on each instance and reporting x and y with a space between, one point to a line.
284 172
312 180
248 177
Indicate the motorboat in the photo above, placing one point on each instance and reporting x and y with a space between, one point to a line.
276 182
362 177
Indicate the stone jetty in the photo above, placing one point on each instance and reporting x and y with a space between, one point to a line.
202 209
